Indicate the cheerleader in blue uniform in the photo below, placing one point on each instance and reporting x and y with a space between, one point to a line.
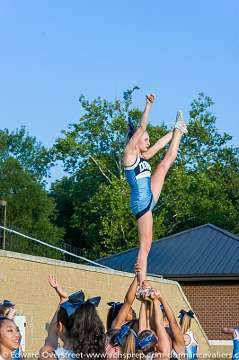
234 332
7 309
191 343
146 187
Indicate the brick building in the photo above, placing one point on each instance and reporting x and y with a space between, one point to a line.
205 261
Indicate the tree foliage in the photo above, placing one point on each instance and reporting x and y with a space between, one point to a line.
29 210
92 202
29 152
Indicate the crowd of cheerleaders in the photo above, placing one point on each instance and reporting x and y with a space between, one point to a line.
154 332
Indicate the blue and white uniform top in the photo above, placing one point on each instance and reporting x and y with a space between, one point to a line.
139 179
235 354
191 348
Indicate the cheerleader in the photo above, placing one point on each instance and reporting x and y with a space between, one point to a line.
146 187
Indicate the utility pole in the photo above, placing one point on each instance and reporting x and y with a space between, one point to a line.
3 203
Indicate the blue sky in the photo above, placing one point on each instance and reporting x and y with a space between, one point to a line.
52 51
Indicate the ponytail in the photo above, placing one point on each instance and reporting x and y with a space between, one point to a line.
185 323
131 129
129 345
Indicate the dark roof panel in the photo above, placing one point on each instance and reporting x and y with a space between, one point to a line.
204 250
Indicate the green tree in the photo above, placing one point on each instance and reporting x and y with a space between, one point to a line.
91 151
29 210
30 153
201 187
63 193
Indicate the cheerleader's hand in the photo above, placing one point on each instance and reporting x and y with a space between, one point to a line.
146 284
52 281
150 99
60 291
155 294
11 314
137 268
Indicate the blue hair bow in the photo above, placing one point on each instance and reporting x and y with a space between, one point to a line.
7 303
72 306
114 303
141 344
182 312
191 314
77 297
95 300
115 306
119 337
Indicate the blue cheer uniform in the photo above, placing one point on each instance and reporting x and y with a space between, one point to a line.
139 178
191 348
235 354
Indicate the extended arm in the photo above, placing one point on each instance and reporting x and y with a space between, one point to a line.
163 345
160 144
143 124
178 339
142 317
130 295
229 330
51 341
128 302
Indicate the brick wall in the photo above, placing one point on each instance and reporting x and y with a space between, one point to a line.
23 279
216 306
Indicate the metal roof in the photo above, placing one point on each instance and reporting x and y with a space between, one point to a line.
205 251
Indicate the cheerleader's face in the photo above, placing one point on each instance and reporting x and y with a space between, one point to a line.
9 335
144 142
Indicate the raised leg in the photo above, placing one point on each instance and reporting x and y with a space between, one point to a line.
157 178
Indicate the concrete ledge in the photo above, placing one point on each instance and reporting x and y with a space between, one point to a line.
92 268
221 342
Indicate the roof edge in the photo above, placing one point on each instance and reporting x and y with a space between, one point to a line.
226 232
